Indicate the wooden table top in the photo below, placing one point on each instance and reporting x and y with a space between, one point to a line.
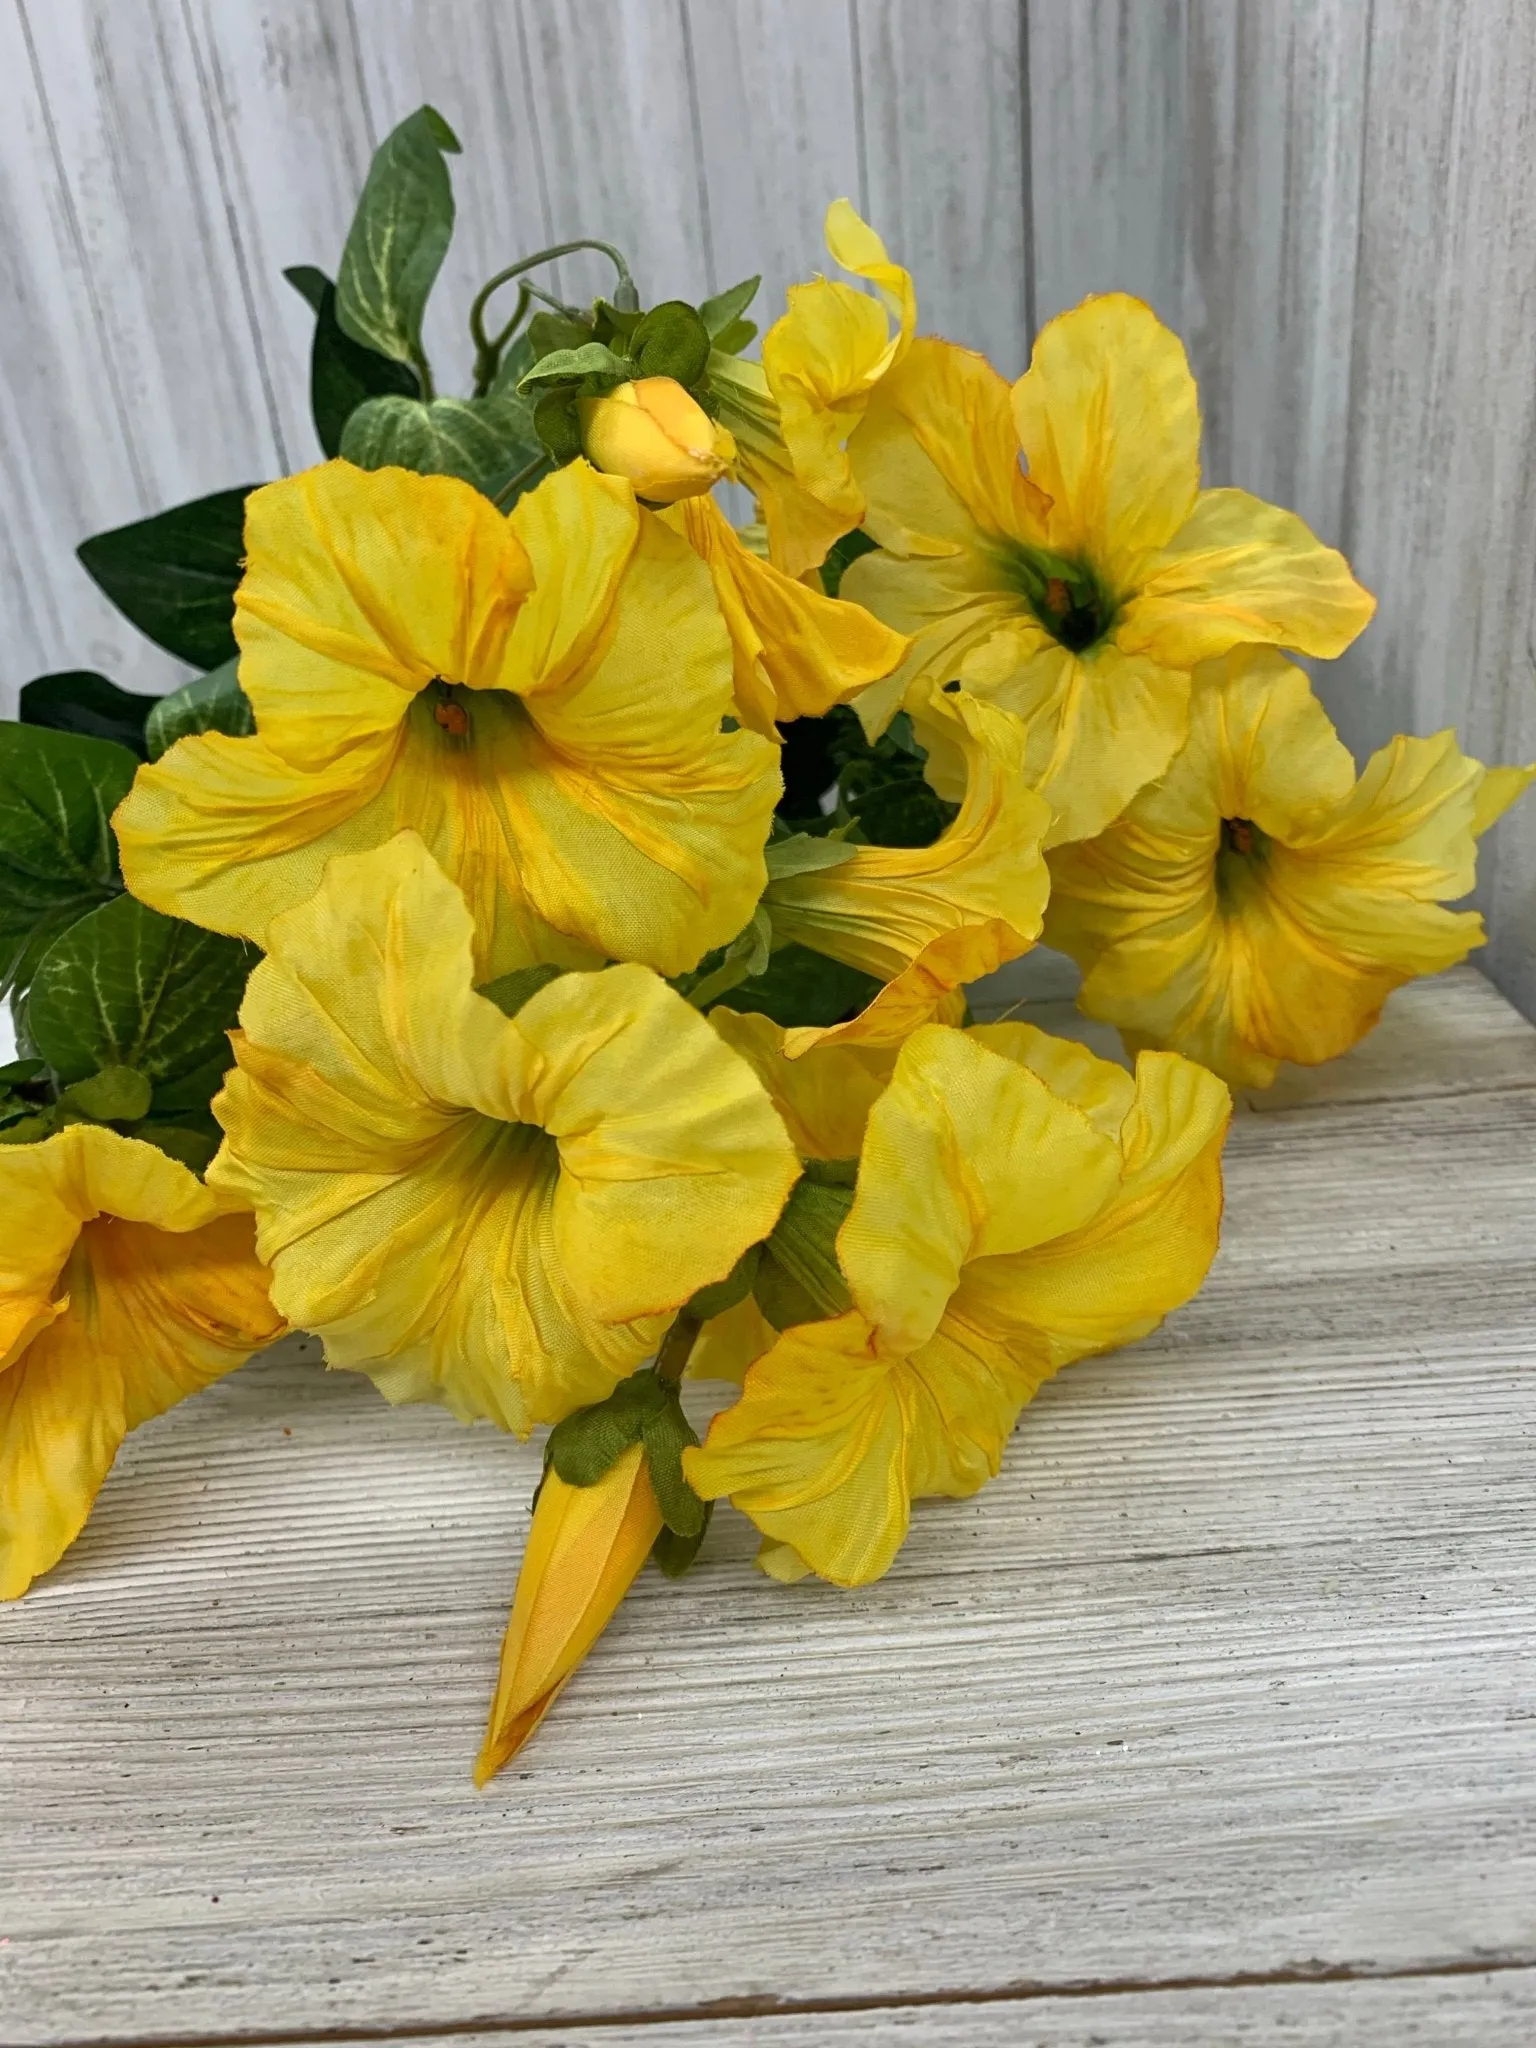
1212 1721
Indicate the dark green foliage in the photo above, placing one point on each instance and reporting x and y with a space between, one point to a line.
58 858
802 987
175 575
79 700
211 703
398 239
343 373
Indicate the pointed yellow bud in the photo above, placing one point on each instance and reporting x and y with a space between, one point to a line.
652 432
585 1547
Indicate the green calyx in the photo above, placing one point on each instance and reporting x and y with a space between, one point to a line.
1065 595
645 1409
798 1278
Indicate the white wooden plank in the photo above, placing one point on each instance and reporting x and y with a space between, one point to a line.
1442 480
1493 2009
67 445
941 100
1108 151
1229 1674
617 127
778 136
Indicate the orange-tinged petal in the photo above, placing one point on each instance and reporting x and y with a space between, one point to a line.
1238 571
585 1548
1109 421
797 653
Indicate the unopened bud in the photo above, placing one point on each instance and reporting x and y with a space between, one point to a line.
652 432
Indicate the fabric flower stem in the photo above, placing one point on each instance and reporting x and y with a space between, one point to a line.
677 1348
487 352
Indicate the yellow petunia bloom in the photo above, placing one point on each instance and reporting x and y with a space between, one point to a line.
926 920
498 1213
793 415
1260 903
797 652
125 1284
1078 597
1020 1204
541 698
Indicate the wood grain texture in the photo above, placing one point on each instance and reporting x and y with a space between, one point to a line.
1489 2010
1230 1674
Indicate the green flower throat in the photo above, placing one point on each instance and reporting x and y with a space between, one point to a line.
1065 595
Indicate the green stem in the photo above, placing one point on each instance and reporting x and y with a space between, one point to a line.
525 475
423 371
677 1348
488 352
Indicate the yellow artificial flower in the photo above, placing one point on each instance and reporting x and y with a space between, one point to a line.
585 1547
927 919
1020 1203
797 652
1081 596
658 437
125 1284
540 697
793 414
1260 903
498 1213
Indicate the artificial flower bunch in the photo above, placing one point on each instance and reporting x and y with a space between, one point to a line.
532 954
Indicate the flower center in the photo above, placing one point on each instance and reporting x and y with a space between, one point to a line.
1239 858
1064 594
450 708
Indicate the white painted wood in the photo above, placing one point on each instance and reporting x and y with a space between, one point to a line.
952 205
1229 1675
1495 2009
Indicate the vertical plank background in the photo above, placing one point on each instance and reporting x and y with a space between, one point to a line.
1329 198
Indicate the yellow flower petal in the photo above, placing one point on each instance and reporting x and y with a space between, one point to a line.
497 1213
800 528
1239 571
728 1344
824 1096
124 1286
797 652
881 909
1260 904
1109 421
574 779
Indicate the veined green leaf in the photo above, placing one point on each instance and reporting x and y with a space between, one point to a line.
575 365
486 441
719 312
343 374
175 575
80 700
58 858
126 987
802 987
398 238
800 854
211 703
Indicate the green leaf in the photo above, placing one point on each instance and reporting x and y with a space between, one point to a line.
666 1433
671 341
724 1294
802 987
398 238
575 365
115 1095
58 858
16 1073
310 284
732 340
127 987
175 575
549 331
727 967
486 441
840 556
509 992
800 854
343 374
211 703
718 313
80 700
674 1553
517 359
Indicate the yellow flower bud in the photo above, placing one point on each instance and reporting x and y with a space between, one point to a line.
585 1547
652 432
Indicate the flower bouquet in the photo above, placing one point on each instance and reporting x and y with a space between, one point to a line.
532 954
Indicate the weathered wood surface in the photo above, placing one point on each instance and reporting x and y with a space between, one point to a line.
1228 1682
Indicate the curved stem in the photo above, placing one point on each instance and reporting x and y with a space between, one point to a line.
624 294
514 484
